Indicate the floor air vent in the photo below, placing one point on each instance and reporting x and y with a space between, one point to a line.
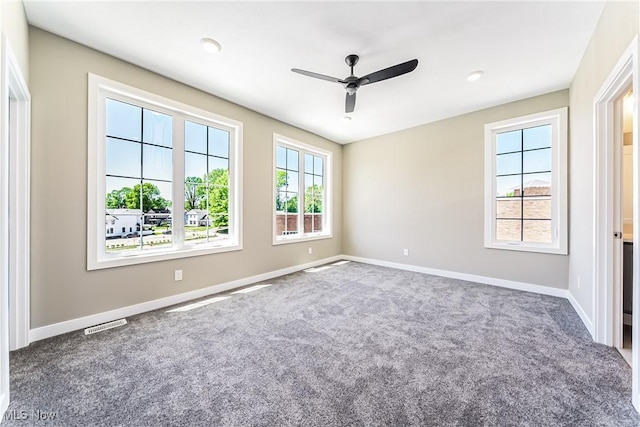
105 326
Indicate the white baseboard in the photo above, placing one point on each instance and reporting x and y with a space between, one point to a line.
582 314
108 316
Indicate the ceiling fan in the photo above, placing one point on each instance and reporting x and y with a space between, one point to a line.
353 83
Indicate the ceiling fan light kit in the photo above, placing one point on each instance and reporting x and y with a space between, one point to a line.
353 83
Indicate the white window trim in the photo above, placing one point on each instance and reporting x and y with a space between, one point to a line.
327 232
97 258
558 119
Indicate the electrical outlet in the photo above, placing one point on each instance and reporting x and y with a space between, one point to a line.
406 252
578 282
310 251
177 275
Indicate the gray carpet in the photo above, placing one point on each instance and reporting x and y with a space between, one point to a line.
353 345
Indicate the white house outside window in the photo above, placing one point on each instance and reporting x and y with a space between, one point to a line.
526 183
164 178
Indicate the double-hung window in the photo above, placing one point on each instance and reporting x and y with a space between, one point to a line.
164 178
526 183
302 197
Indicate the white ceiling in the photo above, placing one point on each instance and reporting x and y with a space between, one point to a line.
525 48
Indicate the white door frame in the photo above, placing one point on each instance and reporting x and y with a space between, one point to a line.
4 246
15 154
15 89
607 152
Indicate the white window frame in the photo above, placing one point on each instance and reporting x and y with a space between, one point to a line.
97 258
557 118
302 148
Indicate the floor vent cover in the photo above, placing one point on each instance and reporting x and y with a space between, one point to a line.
105 326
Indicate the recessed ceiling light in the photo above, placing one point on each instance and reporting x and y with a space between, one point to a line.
346 119
475 76
210 45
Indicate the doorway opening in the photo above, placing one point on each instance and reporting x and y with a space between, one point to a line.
624 307
609 216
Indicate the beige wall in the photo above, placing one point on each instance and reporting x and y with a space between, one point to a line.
61 287
616 29
423 189
14 26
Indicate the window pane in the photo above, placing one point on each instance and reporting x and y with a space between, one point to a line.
219 225
508 229
157 128
537 160
308 163
281 179
123 158
281 219
292 202
507 142
157 162
281 201
156 196
152 238
124 120
292 159
318 165
281 157
195 165
217 163
508 186
313 202
195 194
317 222
121 232
218 142
537 184
538 208
510 208
508 163
537 231
308 181
292 181
195 137
220 221
317 183
218 199
196 226
119 193
291 224
308 223
537 137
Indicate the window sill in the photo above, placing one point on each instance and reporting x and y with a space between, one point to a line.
134 258
302 238
527 247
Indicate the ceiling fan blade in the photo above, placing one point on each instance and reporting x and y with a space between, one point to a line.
317 76
350 103
387 73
